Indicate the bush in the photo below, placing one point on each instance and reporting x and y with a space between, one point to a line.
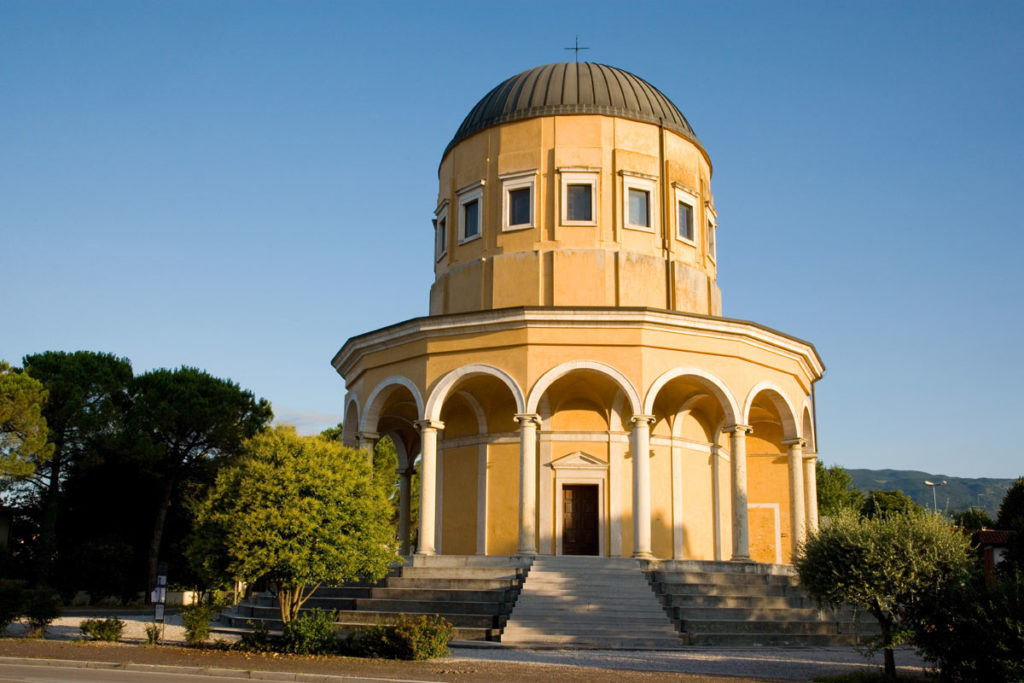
408 638
197 620
154 633
11 602
311 633
257 640
41 607
103 629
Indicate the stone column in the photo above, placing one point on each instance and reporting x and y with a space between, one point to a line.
642 485
367 440
738 463
428 484
527 483
404 510
811 493
797 511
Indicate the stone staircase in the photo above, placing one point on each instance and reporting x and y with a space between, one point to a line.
474 593
588 602
743 604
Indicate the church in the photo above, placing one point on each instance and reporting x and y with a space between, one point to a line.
575 388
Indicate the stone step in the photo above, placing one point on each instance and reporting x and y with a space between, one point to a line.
450 573
719 567
722 589
770 639
738 626
739 601
453 584
449 561
768 614
430 606
722 578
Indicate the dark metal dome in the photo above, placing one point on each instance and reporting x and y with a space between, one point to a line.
573 88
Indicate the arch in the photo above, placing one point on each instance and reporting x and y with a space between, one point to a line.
683 411
807 428
790 428
376 400
445 384
559 371
350 422
478 411
715 385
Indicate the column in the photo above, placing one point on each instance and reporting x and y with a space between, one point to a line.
642 485
738 465
811 492
428 484
404 510
797 510
367 440
527 483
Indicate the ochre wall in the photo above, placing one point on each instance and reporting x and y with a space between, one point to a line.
458 501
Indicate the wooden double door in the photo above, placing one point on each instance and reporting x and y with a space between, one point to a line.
580 522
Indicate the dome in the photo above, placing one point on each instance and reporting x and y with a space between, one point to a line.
573 88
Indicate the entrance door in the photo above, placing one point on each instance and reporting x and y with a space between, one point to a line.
579 519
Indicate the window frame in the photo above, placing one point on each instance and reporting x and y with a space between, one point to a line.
441 231
467 195
684 196
646 184
711 225
578 177
518 181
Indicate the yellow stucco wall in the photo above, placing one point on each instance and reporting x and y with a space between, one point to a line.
458 501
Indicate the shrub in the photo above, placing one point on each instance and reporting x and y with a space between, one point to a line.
257 640
41 607
311 633
11 602
408 638
103 629
154 633
197 619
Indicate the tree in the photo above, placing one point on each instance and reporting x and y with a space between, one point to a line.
887 565
88 392
889 502
23 433
186 423
973 519
1011 518
836 490
299 511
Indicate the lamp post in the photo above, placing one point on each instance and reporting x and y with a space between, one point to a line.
933 485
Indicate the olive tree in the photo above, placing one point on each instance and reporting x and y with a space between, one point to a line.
887 566
299 511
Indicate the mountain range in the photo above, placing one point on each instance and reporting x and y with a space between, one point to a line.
951 495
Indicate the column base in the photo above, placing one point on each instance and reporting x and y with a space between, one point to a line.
643 555
426 552
526 552
741 558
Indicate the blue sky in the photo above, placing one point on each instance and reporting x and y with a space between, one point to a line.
241 186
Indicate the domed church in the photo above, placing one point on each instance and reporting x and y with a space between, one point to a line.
575 389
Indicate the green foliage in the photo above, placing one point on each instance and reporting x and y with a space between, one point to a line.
333 433
1011 509
311 633
887 565
883 503
973 519
836 490
258 639
154 633
300 511
12 600
197 620
40 607
408 637
103 629
23 432
975 632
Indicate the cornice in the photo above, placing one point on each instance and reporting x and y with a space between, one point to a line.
503 319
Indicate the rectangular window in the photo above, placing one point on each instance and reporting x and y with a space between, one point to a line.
519 207
471 219
639 207
685 229
579 202
442 236
711 239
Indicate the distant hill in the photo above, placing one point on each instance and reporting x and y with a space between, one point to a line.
958 494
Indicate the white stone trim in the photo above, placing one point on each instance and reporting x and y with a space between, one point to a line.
351 399
518 181
778 527
481 500
466 195
555 373
483 322
372 414
440 392
571 469
790 427
478 411
710 382
643 184
711 236
578 177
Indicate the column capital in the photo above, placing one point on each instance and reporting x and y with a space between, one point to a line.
738 429
525 418
369 436
647 419
799 441
428 424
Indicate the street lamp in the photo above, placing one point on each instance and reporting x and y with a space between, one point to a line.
935 505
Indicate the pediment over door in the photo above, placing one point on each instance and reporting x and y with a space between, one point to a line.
578 461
